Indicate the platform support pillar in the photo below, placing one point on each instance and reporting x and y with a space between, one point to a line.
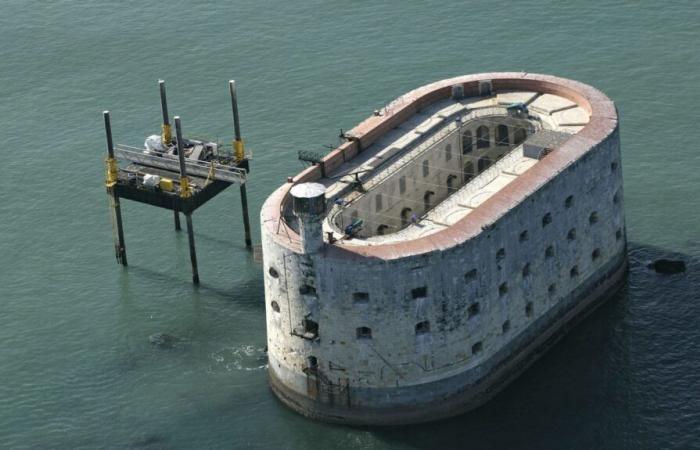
246 220
193 252
176 215
111 182
239 154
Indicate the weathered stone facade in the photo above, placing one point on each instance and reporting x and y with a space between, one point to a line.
401 332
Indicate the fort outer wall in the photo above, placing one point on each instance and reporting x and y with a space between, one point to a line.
466 353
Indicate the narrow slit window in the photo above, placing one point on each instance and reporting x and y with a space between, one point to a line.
470 276
593 218
524 236
549 252
505 327
552 289
529 309
477 347
500 254
569 202
426 168
595 254
546 219
573 273
618 234
571 235
503 289
473 310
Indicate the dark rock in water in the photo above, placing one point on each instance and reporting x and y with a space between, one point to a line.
163 340
668 266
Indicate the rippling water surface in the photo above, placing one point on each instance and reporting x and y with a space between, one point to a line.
76 365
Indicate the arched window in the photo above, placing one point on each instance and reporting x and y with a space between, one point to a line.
502 135
405 216
466 142
448 152
519 136
381 229
483 139
451 183
426 168
423 327
468 171
428 199
483 164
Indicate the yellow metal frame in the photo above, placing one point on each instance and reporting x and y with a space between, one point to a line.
165 134
185 190
112 173
238 150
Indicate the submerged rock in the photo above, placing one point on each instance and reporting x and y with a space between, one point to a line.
668 266
163 340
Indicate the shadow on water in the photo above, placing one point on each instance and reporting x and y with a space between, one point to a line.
599 385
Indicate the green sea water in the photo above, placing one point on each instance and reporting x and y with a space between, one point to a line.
76 366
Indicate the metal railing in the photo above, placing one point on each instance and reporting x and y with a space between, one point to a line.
202 169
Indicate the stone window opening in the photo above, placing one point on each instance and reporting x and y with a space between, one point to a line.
310 327
524 236
428 199
549 252
483 139
306 289
573 273
529 309
552 289
402 185
468 171
360 297
618 234
381 229
569 202
451 184
426 168
595 254
419 292
616 197
311 363
466 142
363 333
406 216
378 202
593 218
273 272
502 135
571 235
423 327
505 327
470 276
500 254
448 152
546 219
473 310
519 136
503 289
526 270
613 166
477 347
275 306
483 164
